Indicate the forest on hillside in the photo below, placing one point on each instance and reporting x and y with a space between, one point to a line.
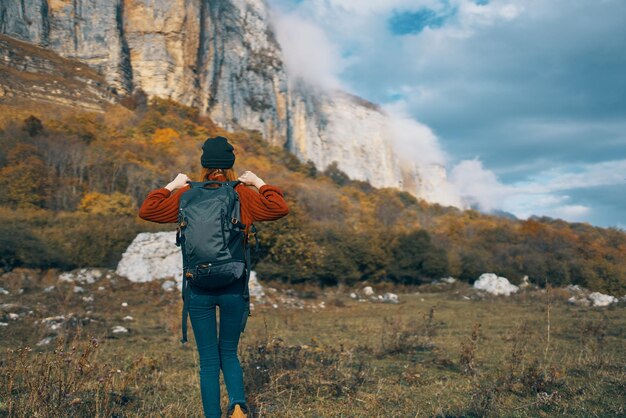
72 183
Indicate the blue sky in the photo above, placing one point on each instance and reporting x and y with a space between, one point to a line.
526 98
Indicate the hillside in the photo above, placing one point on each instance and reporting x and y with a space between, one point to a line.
224 59
82 176
31 73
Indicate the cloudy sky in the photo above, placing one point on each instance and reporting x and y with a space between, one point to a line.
525 99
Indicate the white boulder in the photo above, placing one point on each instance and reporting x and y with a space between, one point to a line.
118 329
575 289
600 299
79 289
495 285
368 291
152 255
3 291
390 298
168 285
256 290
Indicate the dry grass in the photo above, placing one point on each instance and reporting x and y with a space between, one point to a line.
433 355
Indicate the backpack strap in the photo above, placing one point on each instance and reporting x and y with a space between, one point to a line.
185 292
246 291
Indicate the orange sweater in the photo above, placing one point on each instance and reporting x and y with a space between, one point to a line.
267 204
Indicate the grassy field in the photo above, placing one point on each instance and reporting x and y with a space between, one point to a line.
435 354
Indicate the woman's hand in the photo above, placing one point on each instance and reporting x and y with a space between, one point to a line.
248 177
180 181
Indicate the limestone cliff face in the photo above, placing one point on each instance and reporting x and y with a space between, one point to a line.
221 57
335 126
88 30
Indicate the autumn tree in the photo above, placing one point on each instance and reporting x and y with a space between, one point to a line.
24 179
116 204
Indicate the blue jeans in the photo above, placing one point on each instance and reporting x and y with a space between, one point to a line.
215 353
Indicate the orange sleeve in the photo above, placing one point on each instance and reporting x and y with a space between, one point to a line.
161 205
267 204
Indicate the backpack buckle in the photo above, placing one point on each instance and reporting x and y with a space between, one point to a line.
237 223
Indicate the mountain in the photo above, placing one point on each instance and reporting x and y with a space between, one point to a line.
223 58
28 72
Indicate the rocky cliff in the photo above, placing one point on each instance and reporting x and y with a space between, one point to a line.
28 72
222 57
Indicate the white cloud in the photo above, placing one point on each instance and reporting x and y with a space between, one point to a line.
564 178
478 186
413 140
308 52
545 194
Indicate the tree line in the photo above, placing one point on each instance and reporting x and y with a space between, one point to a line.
72 185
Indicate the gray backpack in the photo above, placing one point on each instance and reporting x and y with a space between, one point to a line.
212 239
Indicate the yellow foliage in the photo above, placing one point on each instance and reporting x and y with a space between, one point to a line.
23 181
165 137
117 204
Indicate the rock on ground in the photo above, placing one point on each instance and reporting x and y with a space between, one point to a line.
584 297
599 299
168 285
84 276
45 341
152 256
118 329
368 291
390 298
256 290
495 285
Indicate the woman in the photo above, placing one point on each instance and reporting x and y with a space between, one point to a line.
267 204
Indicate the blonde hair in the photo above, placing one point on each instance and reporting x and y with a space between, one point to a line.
211 173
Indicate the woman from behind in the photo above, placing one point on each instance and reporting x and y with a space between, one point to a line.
262 202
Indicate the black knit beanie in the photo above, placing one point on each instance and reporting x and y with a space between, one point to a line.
217 153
